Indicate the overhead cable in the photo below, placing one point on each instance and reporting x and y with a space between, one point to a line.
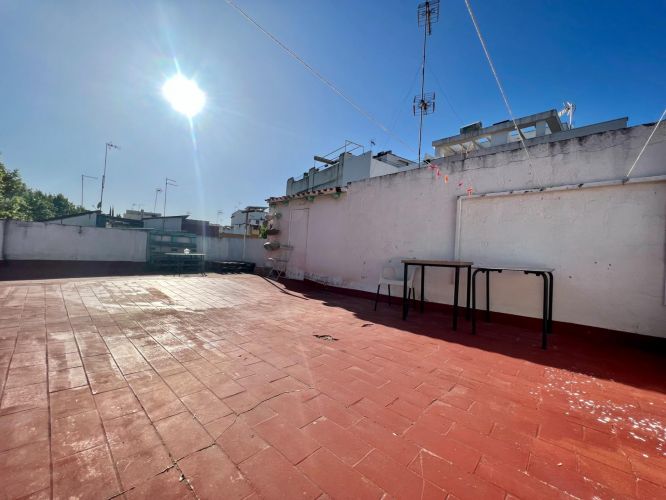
492 68
646 143
321 77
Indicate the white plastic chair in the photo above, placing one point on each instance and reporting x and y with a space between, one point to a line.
393 275
278 264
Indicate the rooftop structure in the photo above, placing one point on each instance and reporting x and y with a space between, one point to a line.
94 218
140 214
201 227
168 223
534 129
247 220
345 167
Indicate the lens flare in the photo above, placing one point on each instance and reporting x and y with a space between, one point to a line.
184 95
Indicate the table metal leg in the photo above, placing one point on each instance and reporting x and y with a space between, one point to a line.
544 334
474 301
422 285
455 299
405 304
550 304
469 280
488 296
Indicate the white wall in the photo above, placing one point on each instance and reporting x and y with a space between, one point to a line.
355 168
43 241
232 249
606 245
413 214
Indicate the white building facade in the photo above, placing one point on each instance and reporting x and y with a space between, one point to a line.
248 220
349 168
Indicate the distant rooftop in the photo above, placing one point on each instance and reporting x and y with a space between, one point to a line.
541 127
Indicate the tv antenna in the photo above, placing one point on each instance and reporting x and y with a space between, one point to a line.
427 13
109 145
568 109
167 182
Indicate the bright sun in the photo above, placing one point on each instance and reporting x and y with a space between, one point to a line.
184 95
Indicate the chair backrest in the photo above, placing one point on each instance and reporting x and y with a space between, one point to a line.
394 269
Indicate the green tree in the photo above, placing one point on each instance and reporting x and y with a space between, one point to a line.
17 201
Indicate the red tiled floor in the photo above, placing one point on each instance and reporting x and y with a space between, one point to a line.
183 435
24 470
337 479
116 403
274 477
215 386
212 475
87 474
76 433
205 406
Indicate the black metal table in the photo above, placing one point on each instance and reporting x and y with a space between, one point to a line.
456 264
545 273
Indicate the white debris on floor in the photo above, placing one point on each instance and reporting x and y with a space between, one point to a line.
622 418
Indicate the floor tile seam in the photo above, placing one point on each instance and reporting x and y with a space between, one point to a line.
101 421
6 376
353 467
48 402
174 462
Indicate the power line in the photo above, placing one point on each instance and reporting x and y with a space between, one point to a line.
396 112
446 97
321 77
646 143
492 68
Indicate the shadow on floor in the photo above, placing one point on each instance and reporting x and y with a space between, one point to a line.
631 360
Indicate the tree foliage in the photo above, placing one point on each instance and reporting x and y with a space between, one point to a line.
18 201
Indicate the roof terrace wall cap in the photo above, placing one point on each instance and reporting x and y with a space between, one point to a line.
71 215
253 209
167 217
550 117
564 135
304 194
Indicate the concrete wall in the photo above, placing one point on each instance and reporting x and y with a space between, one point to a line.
316 178
414 214
606 245
382 168
355 168
43 241
231 248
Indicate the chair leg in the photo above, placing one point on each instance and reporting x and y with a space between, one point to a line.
377 296
389 288
414 301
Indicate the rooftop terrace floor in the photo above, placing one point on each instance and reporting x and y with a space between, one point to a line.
216 387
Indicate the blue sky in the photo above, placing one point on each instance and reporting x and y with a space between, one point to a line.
76 74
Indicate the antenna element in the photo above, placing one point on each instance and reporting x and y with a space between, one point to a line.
427 13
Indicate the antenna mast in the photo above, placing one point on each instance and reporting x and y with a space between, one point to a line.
427 14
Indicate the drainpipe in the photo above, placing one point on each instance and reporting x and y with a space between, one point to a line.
456 243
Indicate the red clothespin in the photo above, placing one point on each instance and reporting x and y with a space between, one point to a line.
469 191
446 179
